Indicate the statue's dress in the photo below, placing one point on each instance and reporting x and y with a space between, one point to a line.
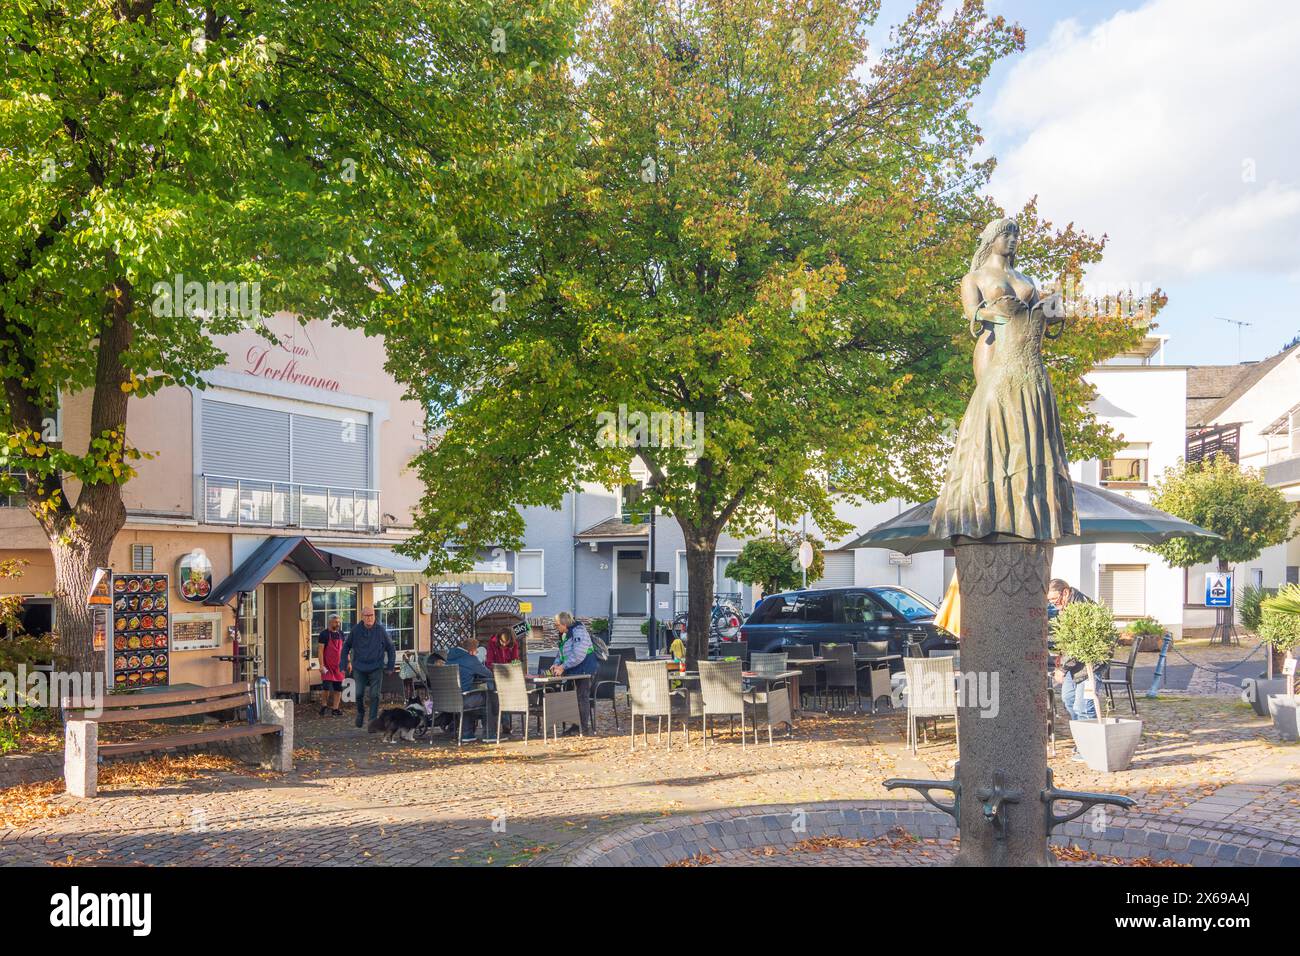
1008 477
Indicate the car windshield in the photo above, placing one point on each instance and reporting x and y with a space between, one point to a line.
911 606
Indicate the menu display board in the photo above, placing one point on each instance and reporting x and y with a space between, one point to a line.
141 630
192 632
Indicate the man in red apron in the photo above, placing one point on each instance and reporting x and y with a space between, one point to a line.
331 671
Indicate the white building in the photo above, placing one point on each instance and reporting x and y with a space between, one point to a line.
1251 412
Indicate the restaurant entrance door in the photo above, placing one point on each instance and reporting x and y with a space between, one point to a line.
286 638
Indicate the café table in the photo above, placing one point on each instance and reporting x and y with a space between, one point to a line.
814 663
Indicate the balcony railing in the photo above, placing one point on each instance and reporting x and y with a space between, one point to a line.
248 502
1285 472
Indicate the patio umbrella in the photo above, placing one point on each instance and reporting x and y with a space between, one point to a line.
1104 516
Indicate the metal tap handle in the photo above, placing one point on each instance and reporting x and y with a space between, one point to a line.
925 786
994 798
1085 799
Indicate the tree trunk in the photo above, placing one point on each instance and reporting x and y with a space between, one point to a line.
700 550
75 558
81 536
1003 634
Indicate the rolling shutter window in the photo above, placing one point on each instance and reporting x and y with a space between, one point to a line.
240 441
839 570
1123 588
327 451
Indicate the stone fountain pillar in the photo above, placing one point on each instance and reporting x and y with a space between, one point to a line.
1003 727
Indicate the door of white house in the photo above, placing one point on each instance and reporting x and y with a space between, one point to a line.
629 592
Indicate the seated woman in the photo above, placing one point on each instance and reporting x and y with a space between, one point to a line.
502 648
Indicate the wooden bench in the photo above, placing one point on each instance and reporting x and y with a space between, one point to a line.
82 748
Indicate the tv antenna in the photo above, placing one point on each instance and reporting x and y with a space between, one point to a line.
1240 325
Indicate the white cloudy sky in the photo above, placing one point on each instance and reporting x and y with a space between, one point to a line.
1174 127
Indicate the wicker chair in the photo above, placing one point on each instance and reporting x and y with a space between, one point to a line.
648 696
738 649
770 706
768 663
873 647
610 676
842 674
448 698
931 693
513 696
723 694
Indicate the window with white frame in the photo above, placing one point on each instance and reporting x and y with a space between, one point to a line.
395 609
530 572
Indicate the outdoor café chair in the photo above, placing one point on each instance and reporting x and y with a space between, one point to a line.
931 693
648 696
1109 682
873 647
448 698
736 649
610 676
722 690
513 696
769 706
768 663
842 674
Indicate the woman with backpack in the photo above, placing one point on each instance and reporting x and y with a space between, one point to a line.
576 655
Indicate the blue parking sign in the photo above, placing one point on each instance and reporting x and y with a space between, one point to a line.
1218 589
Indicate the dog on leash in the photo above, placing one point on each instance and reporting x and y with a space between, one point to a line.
402 722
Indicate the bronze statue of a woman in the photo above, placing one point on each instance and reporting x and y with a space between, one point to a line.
1008 478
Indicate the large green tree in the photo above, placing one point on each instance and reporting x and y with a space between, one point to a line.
317 157
1233 502
763 223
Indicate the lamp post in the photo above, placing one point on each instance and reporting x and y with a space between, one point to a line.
651 634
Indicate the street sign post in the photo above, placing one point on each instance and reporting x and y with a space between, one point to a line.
1218 589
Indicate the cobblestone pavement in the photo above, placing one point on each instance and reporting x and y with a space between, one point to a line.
1206 765
1197 668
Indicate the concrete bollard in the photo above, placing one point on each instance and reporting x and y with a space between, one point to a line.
81 757
277 749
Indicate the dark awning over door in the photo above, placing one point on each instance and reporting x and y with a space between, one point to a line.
299 552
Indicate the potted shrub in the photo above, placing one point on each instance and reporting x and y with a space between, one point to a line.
1148 633
1280 628
1086 632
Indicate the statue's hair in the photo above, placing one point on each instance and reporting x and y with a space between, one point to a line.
989 236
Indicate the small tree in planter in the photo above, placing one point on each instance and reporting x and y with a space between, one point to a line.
1086 632
1280 627
1147 632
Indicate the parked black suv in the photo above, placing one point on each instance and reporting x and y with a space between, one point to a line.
845 615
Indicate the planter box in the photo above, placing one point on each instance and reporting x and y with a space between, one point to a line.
1258 690
1284 710
1107 746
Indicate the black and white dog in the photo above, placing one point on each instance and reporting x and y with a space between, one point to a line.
403 722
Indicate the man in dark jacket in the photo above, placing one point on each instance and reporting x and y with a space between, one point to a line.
465 657
367 653
1073 676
